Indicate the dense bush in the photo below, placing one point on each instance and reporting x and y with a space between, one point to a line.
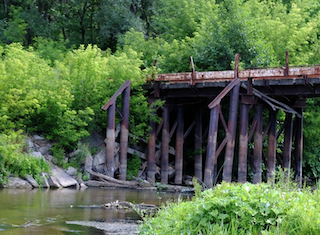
63 99
241 209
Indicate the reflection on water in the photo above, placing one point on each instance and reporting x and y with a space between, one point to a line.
46 211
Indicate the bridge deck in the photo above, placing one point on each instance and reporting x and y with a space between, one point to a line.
298 81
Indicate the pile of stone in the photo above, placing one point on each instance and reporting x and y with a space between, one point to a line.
39 147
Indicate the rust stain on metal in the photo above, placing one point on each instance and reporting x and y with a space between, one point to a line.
228 75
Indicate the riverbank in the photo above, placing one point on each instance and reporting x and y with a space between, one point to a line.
88 173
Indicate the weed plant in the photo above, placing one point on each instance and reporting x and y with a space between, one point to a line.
133 166
14 161
241 209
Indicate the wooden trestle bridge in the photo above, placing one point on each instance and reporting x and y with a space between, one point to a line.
198 102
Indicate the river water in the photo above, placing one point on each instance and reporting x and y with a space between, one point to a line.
53 212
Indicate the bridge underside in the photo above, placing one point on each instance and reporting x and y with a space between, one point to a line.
232 128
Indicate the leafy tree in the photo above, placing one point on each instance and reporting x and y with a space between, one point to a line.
16 28
175 20
34 98
115 18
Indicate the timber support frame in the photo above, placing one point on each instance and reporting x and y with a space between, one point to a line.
254 99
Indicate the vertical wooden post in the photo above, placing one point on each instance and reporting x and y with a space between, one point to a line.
109 167
211 158
257 152
151 149
299 146
165 146
232 127
124 133
243 144
272 145
287 145
198 145
179 147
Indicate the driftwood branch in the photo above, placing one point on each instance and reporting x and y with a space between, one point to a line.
113 180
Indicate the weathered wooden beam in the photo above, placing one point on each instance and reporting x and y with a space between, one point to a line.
232 127
124 133
299 147
257 151
243 143
115 96
109 167
272 145
165 139
198 145
273 103
193 73
221 146
179 147
185 135
173 128
252 129
159 128
210 172
224 92
223 121
151 169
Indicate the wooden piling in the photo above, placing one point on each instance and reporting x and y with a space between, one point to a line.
165 139
124 133
109 165
243 143
210 172
257 152
232 127
299 146
272 145
287 145
151 168
179 147
198 145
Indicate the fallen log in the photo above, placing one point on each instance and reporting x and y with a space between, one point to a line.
113 180
95 183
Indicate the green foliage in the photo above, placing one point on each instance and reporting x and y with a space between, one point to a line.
76 159
197 187
176 20
16 27
115 18
133 166
80 156
283 179
14 161
35 97
50 50
59 155
311 148
85 176
240 209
